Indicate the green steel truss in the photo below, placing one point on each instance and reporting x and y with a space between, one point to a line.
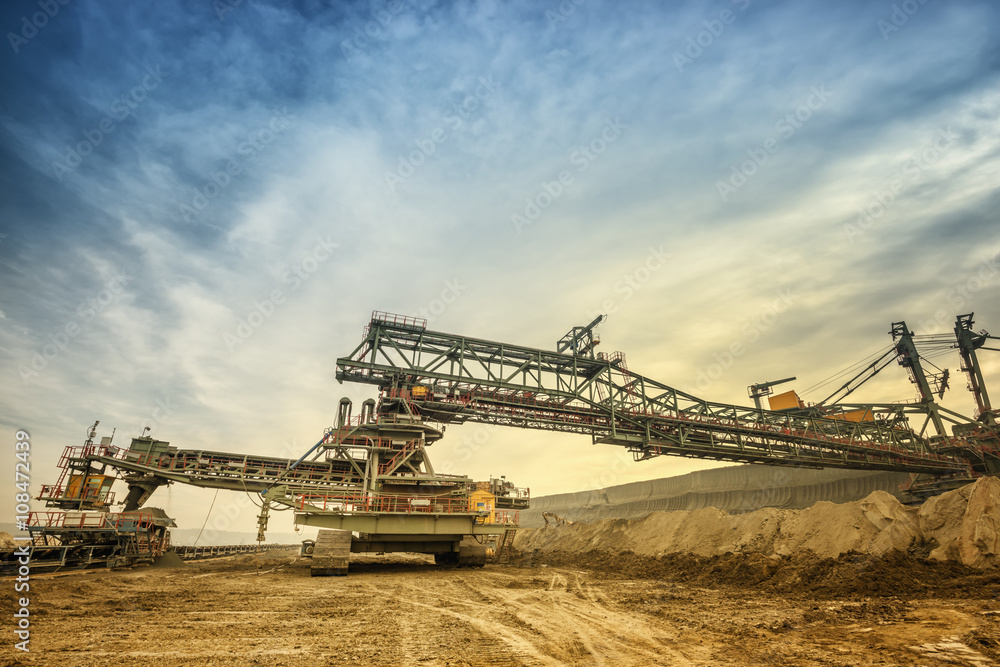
455 379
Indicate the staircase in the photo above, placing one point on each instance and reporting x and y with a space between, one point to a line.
504 548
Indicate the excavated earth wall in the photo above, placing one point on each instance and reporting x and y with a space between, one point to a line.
734 489
961 526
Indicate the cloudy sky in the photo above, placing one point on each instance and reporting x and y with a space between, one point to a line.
202 204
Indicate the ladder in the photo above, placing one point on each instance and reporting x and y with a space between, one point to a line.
506 542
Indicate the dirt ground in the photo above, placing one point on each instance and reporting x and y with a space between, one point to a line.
571 609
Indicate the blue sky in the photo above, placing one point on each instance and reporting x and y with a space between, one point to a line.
202 204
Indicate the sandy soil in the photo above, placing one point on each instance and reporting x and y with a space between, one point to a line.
589 609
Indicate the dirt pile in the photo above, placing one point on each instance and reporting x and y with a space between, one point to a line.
169 560
962 526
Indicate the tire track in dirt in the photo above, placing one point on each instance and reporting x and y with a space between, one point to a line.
564 621
430 639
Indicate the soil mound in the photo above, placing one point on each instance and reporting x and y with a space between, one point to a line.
961 526
169 559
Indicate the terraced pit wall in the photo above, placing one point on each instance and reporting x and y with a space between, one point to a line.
734 489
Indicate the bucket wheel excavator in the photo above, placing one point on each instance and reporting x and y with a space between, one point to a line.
369 484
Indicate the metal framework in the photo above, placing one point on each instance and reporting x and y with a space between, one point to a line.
457 379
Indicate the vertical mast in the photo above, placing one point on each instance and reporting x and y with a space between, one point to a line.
967 344
909 359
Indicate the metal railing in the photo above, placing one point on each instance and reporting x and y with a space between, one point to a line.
507 517
517 492
404 320
100 496
96 520
359 503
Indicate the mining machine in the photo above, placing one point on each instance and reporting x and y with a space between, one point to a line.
556 519
369 483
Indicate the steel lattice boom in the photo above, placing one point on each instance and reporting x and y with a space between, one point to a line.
454 379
